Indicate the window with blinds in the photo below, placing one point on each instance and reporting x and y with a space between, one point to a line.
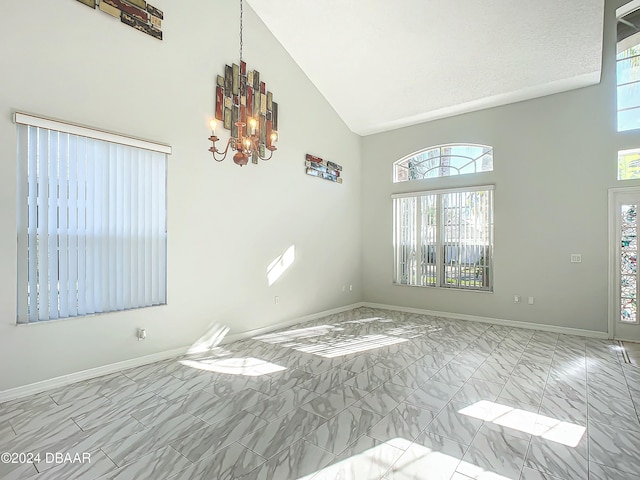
444 238
92 228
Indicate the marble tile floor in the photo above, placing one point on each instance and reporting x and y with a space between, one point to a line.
365 394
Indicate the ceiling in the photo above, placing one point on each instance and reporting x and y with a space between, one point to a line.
387 64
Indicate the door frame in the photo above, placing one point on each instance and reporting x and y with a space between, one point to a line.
612 255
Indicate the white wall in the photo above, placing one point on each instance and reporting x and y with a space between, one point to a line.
226 223
554 159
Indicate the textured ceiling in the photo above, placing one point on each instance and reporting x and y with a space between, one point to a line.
386 64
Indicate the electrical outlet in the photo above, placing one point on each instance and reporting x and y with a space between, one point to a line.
142 334
576 258
516 299
351 288
530 300
276 300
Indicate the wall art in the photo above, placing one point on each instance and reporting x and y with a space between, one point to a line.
135 13
317 167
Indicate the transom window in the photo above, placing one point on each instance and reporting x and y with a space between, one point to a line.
444 161
444 238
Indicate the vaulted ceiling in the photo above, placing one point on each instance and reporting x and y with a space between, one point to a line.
387 64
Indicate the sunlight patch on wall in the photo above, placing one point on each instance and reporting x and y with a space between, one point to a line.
211 339
280 265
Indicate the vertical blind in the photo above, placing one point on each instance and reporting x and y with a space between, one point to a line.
91 222
444 238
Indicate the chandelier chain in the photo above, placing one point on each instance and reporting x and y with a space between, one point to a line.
241 15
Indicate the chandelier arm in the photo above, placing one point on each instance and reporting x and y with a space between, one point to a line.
266 158
224 153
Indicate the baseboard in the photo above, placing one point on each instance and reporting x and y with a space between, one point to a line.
57 382
289 323
495 321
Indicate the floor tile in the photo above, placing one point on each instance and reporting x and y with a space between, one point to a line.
430 456
475 390
139 444
90 466
454 373
281 433
405 421
615 412
366 459
600 472
272 407
161 463
531 474
198 443
495 452
432 395
454 425
554 458
334 401
614 447
301 461
17 471
493 372
90 440
384 398
344 429
564 409
230 463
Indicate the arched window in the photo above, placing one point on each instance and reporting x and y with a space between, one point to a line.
444 161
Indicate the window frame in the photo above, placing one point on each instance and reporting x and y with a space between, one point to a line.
440 260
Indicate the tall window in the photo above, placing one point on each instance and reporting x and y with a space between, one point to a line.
628 68
444 238
444 161
91 221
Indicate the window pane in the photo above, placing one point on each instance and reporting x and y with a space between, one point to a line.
467 237
629 96
629 120
406 241
628 74
628 70
629 164
628 263
428 242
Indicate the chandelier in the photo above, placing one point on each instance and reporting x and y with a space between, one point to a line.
243 102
